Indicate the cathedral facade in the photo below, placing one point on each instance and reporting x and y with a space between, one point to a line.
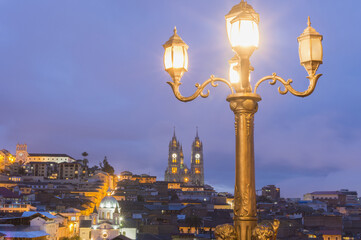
177 170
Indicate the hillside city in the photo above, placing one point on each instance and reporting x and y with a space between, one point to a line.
54 196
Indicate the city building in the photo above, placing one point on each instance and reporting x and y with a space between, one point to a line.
34 225
332 198
22 156
143 178
72 170
5 159
177 170
351 196
271 192
42 169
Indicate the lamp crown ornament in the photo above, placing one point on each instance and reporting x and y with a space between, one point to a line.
310 30
243 10
175 39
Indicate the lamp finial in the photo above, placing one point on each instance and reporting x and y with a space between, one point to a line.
309 21
175 30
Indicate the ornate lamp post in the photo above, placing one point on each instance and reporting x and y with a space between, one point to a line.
242 28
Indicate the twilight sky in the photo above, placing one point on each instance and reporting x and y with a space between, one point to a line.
88 76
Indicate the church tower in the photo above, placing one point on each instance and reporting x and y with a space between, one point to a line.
116 216
94 216
21 153
176 171
197 170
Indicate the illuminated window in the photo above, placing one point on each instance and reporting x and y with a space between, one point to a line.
197 171
174 160
174 170
197 143
185 170
197 161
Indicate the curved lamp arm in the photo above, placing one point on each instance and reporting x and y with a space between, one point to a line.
212 80
287 84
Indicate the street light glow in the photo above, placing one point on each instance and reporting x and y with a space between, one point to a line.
175 56
244 33
234 76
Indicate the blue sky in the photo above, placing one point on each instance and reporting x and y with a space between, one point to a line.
88 76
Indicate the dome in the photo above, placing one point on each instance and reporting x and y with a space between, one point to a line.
109 202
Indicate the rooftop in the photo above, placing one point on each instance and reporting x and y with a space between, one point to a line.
165 207
15 233
31 213
48 155
326 193
6 193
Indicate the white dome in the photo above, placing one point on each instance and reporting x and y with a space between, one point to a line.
109 202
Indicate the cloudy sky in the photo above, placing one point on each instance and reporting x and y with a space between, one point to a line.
88 76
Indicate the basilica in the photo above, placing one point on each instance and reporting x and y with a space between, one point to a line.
177 170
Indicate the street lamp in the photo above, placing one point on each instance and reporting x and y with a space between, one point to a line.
243 34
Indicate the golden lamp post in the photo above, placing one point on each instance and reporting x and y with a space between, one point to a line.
243 34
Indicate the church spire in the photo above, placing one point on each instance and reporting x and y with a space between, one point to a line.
95 210
197 132
174 142
116 209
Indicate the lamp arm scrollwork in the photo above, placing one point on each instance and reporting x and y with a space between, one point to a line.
200 87
287 84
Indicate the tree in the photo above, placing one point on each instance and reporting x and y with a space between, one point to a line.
106 167
85 160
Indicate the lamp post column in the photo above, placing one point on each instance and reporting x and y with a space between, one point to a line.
244 106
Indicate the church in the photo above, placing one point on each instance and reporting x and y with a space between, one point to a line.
177 170
106 222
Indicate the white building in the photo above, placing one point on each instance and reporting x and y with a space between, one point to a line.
48 157
22 156
105 222
45 222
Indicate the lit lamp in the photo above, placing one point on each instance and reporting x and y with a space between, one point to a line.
243 34
242 28
233 70
310 49
175 56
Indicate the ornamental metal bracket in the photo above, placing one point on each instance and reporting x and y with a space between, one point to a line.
200 87
287 84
